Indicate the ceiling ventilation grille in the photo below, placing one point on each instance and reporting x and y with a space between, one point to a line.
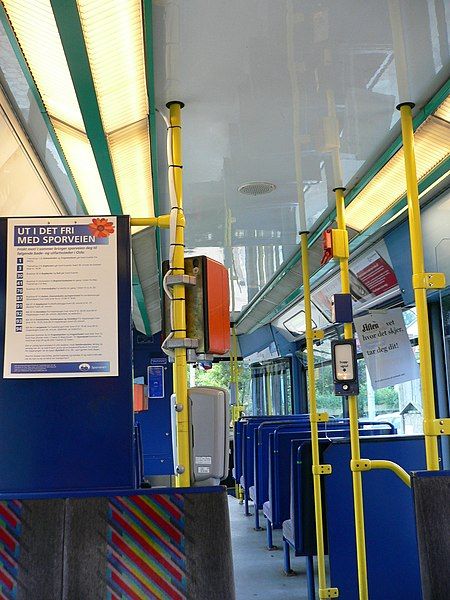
256 188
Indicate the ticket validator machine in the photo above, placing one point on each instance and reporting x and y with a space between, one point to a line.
209 434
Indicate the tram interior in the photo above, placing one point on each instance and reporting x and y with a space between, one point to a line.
224 299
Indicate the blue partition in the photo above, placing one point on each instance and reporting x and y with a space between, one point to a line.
70 433
155 423
392 559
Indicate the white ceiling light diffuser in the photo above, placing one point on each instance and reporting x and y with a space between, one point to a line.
113 34
35 28
431 144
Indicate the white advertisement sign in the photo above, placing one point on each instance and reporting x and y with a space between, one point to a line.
386 348
61 298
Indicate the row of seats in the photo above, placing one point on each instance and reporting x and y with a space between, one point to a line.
273 465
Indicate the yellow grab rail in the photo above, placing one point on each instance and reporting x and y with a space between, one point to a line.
353 415
162 221
419 285
179 309
317 469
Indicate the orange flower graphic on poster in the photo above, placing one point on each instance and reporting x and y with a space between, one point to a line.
101 228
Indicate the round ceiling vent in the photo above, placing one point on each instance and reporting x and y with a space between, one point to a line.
256 188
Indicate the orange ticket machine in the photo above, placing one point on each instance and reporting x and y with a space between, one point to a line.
207 305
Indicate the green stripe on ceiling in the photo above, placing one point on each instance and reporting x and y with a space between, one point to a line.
71 34
297 294
32 85
147 7
420 117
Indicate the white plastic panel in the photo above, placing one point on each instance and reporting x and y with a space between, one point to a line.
24 190
267 85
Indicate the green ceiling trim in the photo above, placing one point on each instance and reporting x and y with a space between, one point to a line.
147 6
71 34
419 118
37 96
442 169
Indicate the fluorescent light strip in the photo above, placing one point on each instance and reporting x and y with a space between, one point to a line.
443 112
35 29
130 155
78 152
389 184
113 34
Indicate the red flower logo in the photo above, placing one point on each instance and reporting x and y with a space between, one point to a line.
101 227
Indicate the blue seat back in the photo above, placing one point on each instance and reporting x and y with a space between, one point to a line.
239 435
392 558
261 454
302 513
248 437
280 462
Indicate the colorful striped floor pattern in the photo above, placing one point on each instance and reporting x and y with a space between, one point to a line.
145 548
146 556
10 528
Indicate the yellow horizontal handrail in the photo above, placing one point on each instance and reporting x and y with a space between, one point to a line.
162 221
392 466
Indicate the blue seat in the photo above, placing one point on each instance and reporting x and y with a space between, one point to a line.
277 508
260 489
300 529
249 425
392 557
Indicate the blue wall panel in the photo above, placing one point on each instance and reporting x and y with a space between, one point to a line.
155 422
74 433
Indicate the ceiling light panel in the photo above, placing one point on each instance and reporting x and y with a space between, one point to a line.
389 184
113 33
80 157
35 28
129 149
443 112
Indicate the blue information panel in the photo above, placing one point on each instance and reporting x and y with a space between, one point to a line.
63 426
155 378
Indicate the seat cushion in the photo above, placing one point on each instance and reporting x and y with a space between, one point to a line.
267 510
251 492
288 532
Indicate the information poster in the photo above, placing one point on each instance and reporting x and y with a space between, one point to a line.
61 298
371 276
386 348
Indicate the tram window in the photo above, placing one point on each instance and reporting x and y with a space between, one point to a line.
445 309
219 376
400 404
272 388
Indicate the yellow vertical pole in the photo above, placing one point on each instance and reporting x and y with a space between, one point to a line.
179 309
420 293
268 394
234 380
324 592
354 432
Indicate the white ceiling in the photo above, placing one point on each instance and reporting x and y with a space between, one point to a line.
260 80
